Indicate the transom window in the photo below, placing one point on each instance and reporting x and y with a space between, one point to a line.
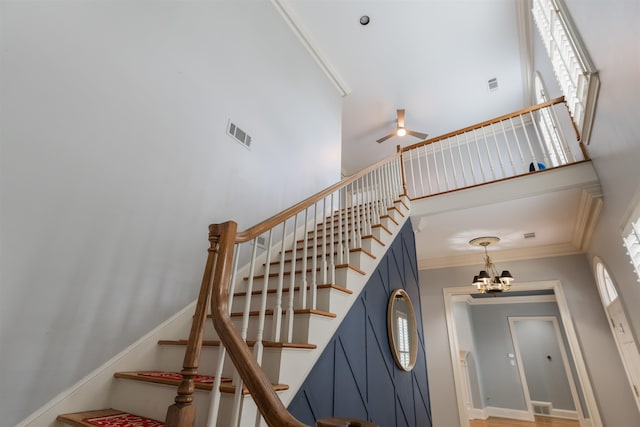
631 236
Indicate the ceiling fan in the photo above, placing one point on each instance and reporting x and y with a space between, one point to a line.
401 130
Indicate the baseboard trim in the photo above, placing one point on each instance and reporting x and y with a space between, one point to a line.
46 415
478 414
513 414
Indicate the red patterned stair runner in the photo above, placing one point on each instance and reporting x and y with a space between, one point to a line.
205 379
123 420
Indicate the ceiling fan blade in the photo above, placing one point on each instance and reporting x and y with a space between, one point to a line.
400 118
384 138
419 135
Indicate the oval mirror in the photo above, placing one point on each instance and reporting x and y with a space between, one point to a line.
402 329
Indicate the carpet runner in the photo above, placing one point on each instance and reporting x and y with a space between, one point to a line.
123 420
204 379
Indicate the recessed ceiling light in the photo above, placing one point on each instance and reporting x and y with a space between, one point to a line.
364 20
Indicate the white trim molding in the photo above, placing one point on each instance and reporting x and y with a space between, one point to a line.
453 294
295 23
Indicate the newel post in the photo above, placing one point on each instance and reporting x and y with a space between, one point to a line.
182 412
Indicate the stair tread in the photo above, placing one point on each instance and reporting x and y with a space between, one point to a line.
202 382
225 386
296 289
310 257
216 343
83 419
269 312
309 270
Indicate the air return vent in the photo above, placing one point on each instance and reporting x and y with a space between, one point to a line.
529 235
541 408
239 135
493 84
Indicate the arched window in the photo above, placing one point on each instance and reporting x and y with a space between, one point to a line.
620 329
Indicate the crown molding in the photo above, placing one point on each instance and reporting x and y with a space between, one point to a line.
560 249
295 24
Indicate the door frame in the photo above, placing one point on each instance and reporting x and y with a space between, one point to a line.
563 354
569 329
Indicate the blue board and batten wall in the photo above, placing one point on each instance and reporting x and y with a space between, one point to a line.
356 375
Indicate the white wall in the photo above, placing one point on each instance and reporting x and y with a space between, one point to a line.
616 405
611 33
114 160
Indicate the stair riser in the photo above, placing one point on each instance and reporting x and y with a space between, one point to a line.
357 259
152 400
325 295
342 277
172 357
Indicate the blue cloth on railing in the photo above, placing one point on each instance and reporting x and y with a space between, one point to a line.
533 168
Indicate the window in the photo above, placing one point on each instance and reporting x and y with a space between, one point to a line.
571 64
631 236
404 351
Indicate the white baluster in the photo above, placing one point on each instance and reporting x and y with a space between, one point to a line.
324 265
541 143
314 259
506 142
489 156
526 135
305 251
495 141
464 174
332 247
277 310
453 164
515 134
426 161
480 162
471 161
292 284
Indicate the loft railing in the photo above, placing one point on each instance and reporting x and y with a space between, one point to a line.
314 238
508 146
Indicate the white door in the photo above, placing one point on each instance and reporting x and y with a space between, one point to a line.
627 346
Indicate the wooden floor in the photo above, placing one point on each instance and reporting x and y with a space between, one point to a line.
540 422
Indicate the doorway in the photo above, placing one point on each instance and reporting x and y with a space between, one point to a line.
555 292
544 367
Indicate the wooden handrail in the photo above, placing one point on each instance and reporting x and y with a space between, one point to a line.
485 123
267 224
215 291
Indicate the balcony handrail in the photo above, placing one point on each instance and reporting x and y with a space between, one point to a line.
487 123
218 279
511 145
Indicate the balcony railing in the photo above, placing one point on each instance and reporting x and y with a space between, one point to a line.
508 146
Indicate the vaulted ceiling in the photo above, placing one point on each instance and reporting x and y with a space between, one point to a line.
434 58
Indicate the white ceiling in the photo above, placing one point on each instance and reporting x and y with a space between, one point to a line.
434 59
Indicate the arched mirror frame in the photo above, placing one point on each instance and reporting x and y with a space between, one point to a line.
412 326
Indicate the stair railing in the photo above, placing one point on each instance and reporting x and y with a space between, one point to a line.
512 145
286 260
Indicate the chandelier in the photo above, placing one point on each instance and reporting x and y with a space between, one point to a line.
488 281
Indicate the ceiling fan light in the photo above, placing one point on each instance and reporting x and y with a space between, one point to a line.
401 132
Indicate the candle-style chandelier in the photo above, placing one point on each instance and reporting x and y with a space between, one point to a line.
488 280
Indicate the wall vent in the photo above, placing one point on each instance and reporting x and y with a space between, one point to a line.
239 135
541 408
529 235
261 242
493 84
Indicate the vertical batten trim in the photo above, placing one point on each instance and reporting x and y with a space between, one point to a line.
303 35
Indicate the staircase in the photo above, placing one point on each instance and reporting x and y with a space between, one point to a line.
285 302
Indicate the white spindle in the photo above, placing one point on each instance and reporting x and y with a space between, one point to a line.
569 155
277 310
305 252
498 150
464 174
314 259
426 161
471 161
453 164
257 347
506 142
515 134
292 284
324 265
489 156
444 168
413 178
419 170
526 135
541 143
332 248
435 166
